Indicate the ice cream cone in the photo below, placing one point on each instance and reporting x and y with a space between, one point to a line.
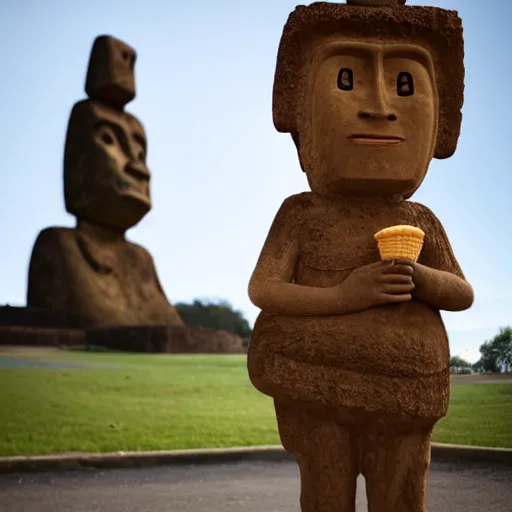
400 242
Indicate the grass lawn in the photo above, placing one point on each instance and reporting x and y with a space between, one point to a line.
161 402
479 414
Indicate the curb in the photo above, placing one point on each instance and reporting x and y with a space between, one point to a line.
116 460
470 454
60 462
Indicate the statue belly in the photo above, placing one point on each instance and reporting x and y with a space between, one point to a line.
393 358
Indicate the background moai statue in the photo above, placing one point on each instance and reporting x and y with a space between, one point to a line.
92 270
351 348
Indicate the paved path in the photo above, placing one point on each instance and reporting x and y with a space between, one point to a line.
13 362
243 487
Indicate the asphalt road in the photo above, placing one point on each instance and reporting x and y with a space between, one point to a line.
242 487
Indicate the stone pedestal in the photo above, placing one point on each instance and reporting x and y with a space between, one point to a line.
165 339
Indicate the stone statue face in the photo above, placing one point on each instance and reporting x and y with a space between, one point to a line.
106 179
369 122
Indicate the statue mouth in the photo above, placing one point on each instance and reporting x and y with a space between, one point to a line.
135 192
375 139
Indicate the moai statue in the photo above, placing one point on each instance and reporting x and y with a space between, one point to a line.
92 269
350 343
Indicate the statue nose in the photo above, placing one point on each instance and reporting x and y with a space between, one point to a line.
375 114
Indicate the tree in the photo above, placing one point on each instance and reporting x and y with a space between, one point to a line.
478 366
214 315
496 353
459 365
458 362
503 347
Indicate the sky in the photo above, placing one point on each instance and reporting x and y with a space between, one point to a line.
220 170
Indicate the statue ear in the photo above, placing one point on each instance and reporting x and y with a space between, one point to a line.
442 153
447 134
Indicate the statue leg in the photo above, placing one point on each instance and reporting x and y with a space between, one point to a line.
328 457
395 467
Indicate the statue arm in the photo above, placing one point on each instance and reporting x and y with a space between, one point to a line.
272 287
438 277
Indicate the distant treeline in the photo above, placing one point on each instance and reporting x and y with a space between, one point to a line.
218 315
495 355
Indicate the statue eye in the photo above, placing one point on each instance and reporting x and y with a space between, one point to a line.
107 138
345 79
404 84
107 133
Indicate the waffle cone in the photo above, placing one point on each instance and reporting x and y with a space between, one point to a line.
400 242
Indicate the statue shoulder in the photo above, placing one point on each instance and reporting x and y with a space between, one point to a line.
139 253
301 200
54 239
425 215
49 270
295 206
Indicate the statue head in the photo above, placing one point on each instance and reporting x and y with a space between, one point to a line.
106 180
370 91
110 75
